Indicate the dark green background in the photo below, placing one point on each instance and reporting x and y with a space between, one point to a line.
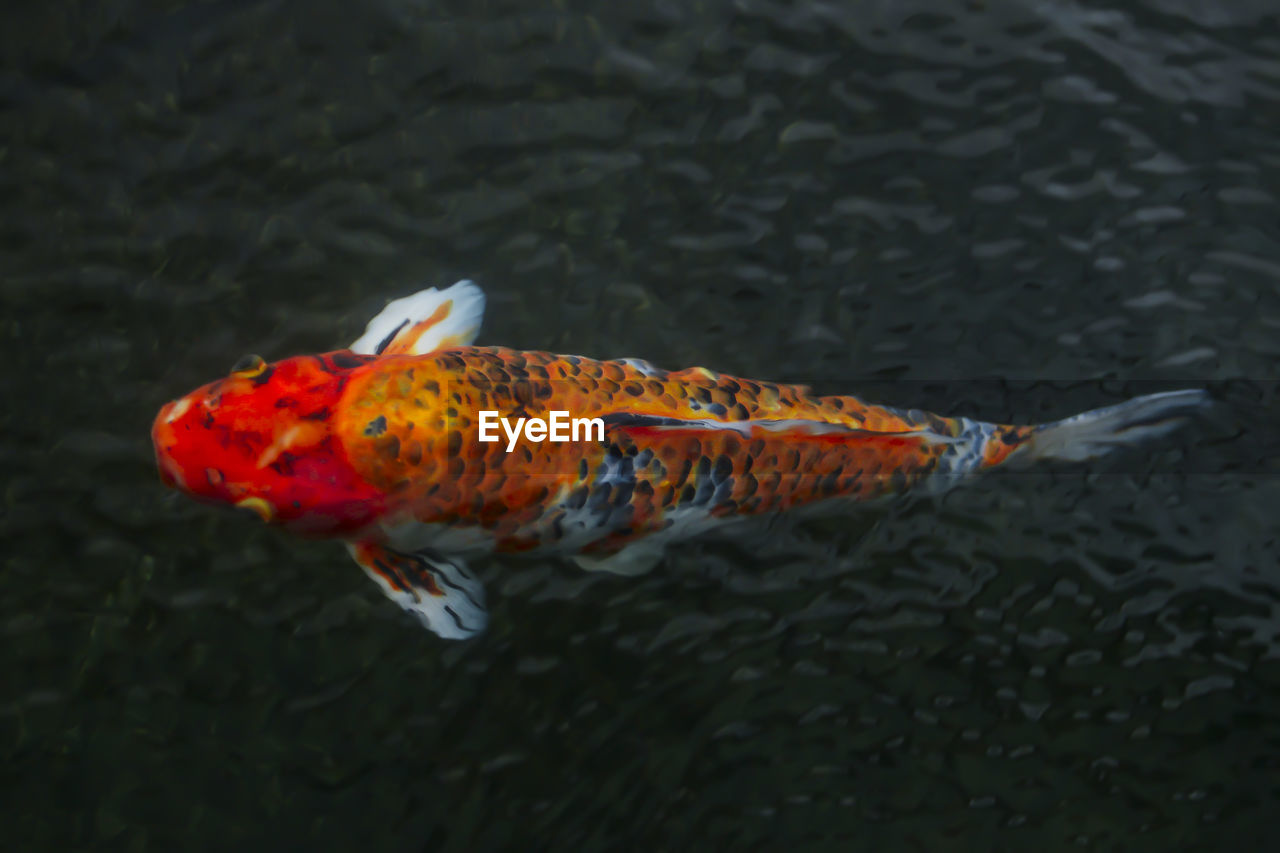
896 198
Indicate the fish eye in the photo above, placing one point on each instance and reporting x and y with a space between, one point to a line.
258 507
248 367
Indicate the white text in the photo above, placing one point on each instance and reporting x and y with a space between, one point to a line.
558 427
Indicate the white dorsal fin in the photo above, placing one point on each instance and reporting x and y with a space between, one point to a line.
428 320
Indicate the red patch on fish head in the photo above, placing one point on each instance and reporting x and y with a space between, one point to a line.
261 440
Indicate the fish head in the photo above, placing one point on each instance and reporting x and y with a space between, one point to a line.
261 439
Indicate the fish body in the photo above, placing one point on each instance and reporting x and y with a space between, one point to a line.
673 443
385 446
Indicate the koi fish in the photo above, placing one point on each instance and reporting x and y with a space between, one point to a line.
379 446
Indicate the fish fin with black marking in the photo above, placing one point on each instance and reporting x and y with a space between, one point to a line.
442 593
425 321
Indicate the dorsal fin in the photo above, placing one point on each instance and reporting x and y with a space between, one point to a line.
428 320
797 427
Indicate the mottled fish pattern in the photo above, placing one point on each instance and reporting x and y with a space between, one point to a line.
379 446
674 442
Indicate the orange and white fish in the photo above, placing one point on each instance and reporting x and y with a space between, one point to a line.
380 445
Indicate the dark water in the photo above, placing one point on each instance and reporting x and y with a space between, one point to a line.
905 196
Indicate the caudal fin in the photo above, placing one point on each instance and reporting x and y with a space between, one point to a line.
1100 431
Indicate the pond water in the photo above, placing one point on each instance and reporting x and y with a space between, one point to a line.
1008 210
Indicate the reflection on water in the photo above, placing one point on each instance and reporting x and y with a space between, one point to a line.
902 197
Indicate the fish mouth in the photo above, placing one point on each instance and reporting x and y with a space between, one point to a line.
162 439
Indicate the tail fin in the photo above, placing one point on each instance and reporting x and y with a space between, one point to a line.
1100 431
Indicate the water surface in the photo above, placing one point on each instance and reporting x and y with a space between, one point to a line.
1010 210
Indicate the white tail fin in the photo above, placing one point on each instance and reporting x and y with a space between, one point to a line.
1100 431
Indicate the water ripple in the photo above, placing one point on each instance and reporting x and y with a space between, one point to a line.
910 194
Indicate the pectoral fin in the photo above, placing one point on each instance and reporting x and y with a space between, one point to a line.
425 321
442 593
